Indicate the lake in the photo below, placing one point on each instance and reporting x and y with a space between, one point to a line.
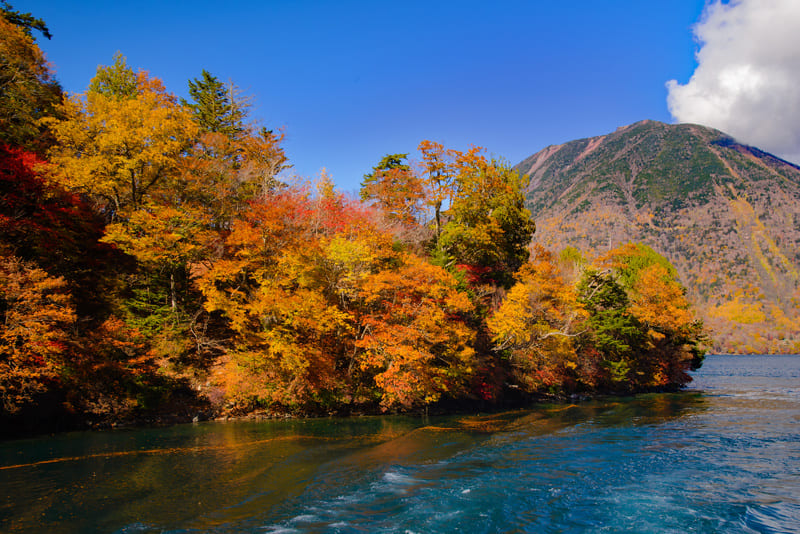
722 456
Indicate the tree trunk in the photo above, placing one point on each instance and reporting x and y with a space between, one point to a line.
173 299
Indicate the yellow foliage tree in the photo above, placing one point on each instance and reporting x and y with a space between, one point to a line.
120 143
29 91
537 324
162 237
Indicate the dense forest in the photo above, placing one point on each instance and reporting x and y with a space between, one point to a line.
156 261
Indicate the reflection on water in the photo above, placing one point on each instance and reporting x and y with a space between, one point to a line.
723 456
173 475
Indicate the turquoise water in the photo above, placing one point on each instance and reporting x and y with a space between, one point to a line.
723 456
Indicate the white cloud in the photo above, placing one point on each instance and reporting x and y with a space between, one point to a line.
747 81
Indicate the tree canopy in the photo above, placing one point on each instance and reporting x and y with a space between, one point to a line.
154 259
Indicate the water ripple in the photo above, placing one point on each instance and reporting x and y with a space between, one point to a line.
722 457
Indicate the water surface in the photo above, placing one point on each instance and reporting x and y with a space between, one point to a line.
723 456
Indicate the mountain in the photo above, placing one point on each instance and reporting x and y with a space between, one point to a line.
727 215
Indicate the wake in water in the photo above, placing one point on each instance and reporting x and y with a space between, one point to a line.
724 457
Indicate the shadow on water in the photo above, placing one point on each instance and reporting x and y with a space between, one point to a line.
240 476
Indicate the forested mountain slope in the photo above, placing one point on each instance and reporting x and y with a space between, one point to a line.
725 214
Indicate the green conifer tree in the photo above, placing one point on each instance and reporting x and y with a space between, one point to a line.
25 21
217 107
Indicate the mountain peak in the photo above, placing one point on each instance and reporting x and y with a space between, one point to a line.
726 214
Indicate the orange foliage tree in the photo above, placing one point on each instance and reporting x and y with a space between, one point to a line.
395 188
414 337
326 312
624 326
36 318
438 173
284 285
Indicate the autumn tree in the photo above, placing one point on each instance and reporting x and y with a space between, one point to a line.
66 351
53 360
123 144
232 160
538 325
438 174
327 311
29 90
674 340
170 186
117 81
220 174
56 229
622 325
121 141
639 320
36 317
165 238
414 334
284 286
488 228
395 189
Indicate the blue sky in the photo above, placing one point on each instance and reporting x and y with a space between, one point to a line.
350 81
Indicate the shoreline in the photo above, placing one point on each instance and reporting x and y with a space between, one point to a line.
444 408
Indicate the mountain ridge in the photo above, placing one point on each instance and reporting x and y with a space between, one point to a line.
727 215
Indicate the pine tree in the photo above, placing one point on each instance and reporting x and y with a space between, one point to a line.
216 107
24 21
